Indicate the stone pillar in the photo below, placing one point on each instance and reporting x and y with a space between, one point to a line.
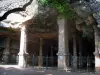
97 49
74 53
63 45
6 51
22 62
80 52
80 46
52 58
40 62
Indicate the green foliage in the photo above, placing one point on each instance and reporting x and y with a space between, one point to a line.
62 6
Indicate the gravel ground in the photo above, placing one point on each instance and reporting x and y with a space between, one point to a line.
32 71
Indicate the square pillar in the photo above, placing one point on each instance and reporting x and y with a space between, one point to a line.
97 49
23 55
63 61
6 51
74 54
40 58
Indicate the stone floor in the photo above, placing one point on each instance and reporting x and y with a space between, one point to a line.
15 70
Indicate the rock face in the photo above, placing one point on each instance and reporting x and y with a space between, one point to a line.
94 20
24 7
84 9
11 4
45 17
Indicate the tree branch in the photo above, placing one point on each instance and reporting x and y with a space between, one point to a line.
15 10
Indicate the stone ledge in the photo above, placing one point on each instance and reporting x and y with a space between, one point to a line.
21 54
61 53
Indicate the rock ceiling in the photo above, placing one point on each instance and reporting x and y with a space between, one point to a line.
45 21
84 9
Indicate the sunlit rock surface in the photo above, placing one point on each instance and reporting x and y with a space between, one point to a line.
31 9
45 18
6 5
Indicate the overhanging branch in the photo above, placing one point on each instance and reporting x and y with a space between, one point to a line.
15 10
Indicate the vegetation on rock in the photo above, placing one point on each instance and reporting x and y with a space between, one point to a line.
63 7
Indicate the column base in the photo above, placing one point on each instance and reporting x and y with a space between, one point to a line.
74 63
6 58
97 63
97 69
22 60
40 61
62 62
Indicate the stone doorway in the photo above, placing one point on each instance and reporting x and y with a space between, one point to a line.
50 49
87 53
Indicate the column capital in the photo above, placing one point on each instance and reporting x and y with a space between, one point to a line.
41 39
23 28
61 53
74 36
96 53
21 54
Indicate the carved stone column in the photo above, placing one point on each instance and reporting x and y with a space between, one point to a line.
97 49
40 62
63 50
74 53
6 51
23 48
80 46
